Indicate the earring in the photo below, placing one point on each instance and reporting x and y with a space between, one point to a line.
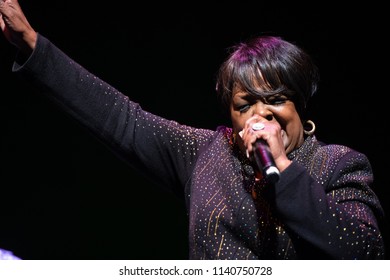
312 130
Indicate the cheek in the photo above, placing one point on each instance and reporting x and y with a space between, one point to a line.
293 132
237 120
290 123
293 126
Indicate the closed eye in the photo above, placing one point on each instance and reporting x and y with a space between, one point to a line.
277 100
243 108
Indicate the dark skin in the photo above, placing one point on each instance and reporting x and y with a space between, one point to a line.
15 26
283 129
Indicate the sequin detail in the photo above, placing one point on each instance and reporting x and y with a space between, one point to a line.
322 206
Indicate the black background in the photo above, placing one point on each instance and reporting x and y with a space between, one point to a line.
63 195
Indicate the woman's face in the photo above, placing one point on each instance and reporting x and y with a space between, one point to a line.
277 109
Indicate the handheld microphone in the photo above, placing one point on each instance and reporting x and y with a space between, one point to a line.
265 162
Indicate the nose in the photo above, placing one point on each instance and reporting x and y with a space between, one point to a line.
262 110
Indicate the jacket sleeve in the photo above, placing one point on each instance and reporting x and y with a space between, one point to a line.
329 210
163 150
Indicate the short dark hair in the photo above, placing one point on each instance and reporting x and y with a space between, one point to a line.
272 63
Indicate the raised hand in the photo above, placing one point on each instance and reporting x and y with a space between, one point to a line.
16 27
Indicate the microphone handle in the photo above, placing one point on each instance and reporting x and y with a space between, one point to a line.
265 162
